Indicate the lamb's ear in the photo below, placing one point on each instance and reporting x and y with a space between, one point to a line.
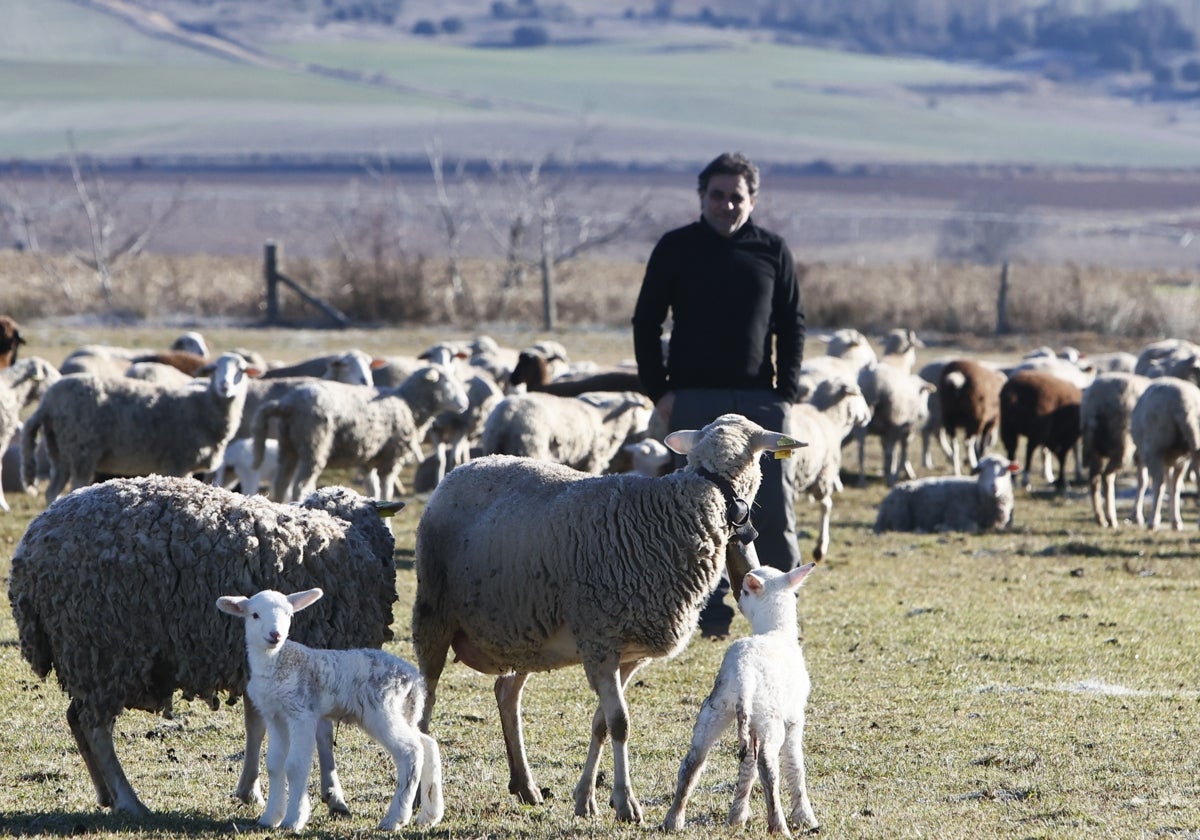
682 441
300 600
377 363
797 575
232 604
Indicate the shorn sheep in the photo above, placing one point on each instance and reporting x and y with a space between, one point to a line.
614 575
113 587
121 426
1105 416
1165 426
950 503
295 687
331 424
763 684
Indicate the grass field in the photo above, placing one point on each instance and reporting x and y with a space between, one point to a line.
669 96
1036 683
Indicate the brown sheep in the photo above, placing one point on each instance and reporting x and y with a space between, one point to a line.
533 371
1045 410
969 398
10 341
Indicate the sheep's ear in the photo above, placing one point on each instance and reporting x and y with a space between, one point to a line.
682 441
782 445
378 363
300 600
386 509
233 604
797 575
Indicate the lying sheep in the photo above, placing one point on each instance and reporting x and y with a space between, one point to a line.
1105 416
112 587
1165 426
331 425
763 684
121 426
613 575
833 412
296 687
20 385
565 430
950 503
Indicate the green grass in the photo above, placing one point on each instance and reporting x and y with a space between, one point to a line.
1036 683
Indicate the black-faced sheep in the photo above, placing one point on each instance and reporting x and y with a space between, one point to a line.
112 587
1043 408
614 574
534 372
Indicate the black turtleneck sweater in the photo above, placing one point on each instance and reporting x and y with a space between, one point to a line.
727 297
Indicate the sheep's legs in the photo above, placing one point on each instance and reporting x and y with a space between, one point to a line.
508 700
823 539
95 744
249 787
612 716
277 753
432 805
710 723
302 742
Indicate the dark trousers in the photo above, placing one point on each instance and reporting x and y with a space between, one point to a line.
773 511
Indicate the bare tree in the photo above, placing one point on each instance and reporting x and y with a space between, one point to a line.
454 225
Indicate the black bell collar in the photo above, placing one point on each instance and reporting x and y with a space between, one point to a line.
737 510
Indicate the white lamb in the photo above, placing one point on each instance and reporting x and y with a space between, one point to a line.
764 684
295 687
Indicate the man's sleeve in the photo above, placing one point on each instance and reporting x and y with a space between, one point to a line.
649 314
789 328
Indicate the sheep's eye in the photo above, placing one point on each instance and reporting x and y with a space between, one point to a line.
254 615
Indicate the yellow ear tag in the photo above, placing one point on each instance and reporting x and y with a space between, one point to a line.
782 453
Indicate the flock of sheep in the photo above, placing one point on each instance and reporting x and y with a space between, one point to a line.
512 433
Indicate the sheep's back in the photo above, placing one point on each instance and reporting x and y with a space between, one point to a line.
929 504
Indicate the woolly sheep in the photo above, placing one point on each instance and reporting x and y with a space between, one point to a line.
191 342
932 427
1044 409
969 399
614 574
851 345
20 384
566 430
900 349
123 426
899 403
112 587
354 367
1105 415
1169 357
454 432
763 684
10 341
837 409
952 503
331 424
295 687
649 457
1165 426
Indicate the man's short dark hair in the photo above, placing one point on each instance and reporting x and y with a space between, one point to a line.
731 163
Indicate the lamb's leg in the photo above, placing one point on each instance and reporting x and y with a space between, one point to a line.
331 784
771 738
608 678
404 744
277 753
249 787
793 768
748 747
432 804
96 746
302 743
710 723
508 699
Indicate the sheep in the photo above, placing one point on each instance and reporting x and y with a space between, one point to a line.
649 456
899 403
10 341
122 426
325 366
1105 415
1044 409
107 360
834 411
453 432
331 424
851 345
112 588
614 574
237 467
952 503
1165 426
900 349
20 384
566 430
932 427
160 374
969 399
354 367
763 683
295 687
533 371
1169 357
191 342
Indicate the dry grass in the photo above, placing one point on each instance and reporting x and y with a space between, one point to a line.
1040 682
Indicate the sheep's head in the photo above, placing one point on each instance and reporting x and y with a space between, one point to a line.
729 446
268 614
767 596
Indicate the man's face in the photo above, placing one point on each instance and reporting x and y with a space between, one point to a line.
726 203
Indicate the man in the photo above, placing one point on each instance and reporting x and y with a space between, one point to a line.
732 293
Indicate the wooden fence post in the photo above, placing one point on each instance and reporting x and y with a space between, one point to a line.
271 274
1002 302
